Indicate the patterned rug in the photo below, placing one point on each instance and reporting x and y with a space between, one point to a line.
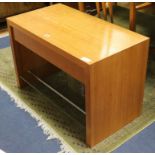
60 121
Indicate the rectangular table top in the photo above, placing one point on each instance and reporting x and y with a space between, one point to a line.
83 36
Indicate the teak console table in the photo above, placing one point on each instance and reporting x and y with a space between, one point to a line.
109 60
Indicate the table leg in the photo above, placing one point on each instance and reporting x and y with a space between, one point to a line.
16 57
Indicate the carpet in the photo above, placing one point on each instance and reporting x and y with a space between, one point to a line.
18 129
4 41
143 142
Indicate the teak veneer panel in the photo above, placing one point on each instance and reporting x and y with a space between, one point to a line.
109 60
116 91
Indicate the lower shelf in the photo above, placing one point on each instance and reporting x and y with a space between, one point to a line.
64 87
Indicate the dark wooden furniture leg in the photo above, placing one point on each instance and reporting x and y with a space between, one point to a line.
98 8
104 10
81 6
132 15
110 5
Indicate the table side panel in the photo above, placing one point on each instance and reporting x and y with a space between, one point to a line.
16 57
115 92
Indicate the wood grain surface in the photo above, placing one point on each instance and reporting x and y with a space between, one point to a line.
77 33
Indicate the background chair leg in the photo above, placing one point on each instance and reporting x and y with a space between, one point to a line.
110 5
104 10
81 6
98 8
132 16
